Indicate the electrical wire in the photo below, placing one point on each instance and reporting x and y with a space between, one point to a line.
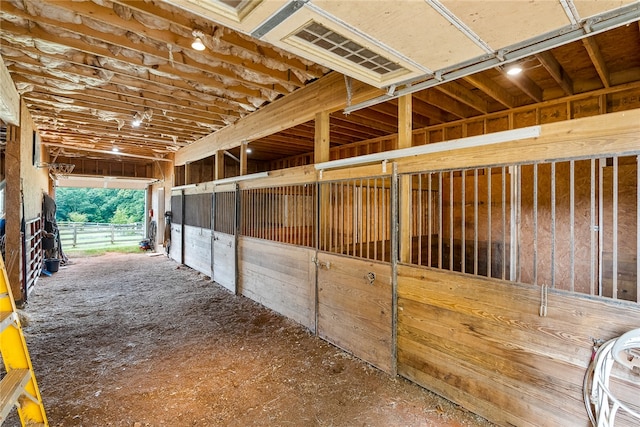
602 406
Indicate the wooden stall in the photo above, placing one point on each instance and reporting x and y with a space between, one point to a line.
483 273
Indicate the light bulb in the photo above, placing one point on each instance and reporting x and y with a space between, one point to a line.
197 44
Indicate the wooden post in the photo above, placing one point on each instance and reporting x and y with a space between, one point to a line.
243 158
218 172
405 134
322 137
13 199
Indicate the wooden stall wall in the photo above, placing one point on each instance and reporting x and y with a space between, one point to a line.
224 241
280 277
355 301
197 232
482 344
176 239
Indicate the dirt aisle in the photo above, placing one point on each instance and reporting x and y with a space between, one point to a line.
132 340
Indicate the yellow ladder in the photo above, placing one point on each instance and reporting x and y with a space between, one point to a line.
18 387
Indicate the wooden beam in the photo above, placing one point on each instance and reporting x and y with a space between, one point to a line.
218 173
322 137
553 67
111 153
527 86
326 94
230 39
598 61
405 123
164 59
444 102
243 158
492 89
462 94
9 98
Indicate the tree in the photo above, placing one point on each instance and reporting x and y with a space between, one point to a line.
77 217
121 217
100 204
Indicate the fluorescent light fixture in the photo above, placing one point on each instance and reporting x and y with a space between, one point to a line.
438 147
241 178
197 43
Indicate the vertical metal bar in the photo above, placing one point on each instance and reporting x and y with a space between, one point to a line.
451 228
614 215
553 225
592 229
395 237
419 216
572 215
504 223
367 218
601 165
440 220
361 218
356 213
384 223
341 217
489 224
463 222
514 273
376 223
236 226
429 220
475 221
535 224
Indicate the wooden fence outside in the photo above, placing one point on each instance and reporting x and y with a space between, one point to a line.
92 235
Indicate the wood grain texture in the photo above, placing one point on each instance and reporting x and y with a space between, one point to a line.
278 276
197 249
481 343
354 314
224 260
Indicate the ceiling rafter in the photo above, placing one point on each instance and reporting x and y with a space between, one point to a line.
598 61
229 38
38 32
166 38
557 72
492 89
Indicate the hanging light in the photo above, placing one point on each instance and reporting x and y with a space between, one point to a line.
137 119
197 42
514 70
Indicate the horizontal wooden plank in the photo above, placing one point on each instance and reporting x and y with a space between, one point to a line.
197 249
506 355
280 277
224 260
590 136
354 313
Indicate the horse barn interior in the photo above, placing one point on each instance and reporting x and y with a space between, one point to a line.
376 171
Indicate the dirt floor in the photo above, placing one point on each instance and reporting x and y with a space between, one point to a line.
134 340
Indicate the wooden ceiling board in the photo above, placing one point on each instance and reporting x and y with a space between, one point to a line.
211 9
411 27
587 8
501 23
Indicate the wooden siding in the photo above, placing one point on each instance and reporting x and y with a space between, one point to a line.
482 344
224 260
353 313
280 277
197 249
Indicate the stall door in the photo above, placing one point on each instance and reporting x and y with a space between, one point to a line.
223 244
355 296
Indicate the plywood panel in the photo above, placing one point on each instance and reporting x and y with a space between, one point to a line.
353 313
224 260
280 277
482 344
175 250
197 249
